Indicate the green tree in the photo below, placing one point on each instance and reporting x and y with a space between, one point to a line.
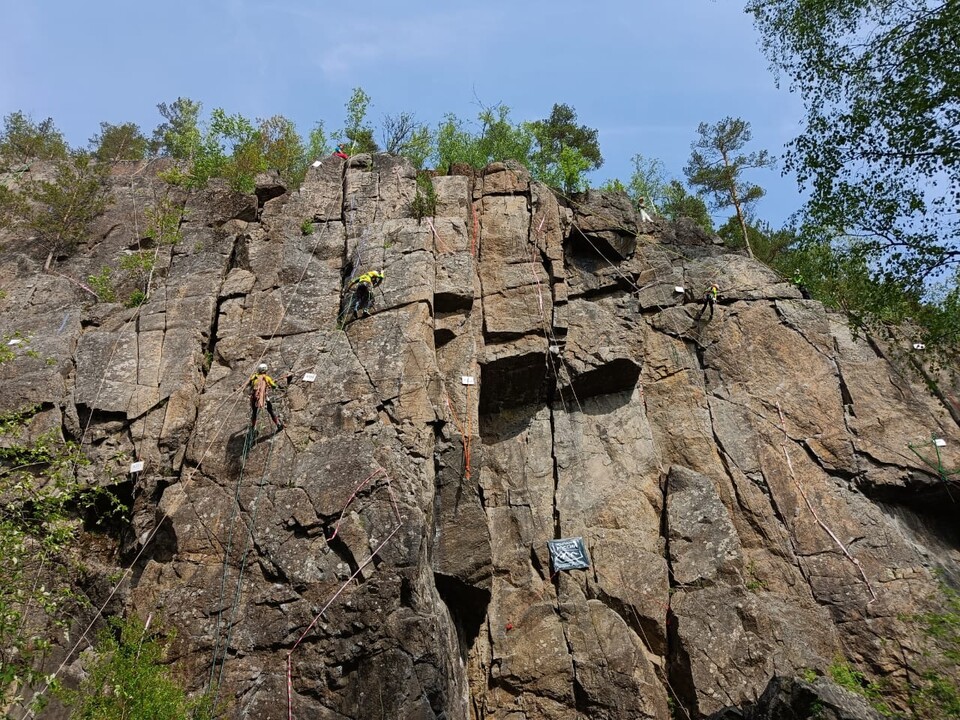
231 149
317 144
880 146
119 142
717 169
678 203
129 679
497 140
359 135
179 136
61 210
564 150
648 181
283 149
23 140
766 242
404 136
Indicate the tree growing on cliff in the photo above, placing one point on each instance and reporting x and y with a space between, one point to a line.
23 140
717 169
61 210
678 203
880 150
564 150
497 140
358 134
404 136
179 136
119 142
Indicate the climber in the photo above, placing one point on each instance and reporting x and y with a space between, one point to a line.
797 280
259 383
362 289
642 209
709 299
340 153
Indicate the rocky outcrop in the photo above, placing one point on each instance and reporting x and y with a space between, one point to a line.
745 487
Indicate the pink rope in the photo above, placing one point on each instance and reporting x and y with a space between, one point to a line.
353 495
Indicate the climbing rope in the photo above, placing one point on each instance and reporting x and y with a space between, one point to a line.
944 474
346 583
191 472
813 512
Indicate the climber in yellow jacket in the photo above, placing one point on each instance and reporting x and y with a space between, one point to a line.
362 289
260 382
709 299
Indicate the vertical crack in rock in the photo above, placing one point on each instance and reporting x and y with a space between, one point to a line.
678 670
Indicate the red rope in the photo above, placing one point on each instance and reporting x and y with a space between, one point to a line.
476 230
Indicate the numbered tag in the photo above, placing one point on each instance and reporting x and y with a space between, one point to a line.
15 341
940 442
315 163
309 377
678 289
468 380
919 346
136 467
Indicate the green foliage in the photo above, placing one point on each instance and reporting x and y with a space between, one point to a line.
137 298
841 276
404 136
23 140
102 284
39 494
359 136
283 149
179 137
717 169
163 221
880 146
847 676
767 243
678 203
13 207
128 679
424 203
306 227
497 140
62 210
564 150
119 142
648 181
317 145
808 675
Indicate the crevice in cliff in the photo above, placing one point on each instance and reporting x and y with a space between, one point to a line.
678 669
467 605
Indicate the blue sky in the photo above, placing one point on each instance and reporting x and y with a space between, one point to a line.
643 72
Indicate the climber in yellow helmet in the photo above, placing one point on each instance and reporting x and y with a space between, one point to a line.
709 299
362 288
260 382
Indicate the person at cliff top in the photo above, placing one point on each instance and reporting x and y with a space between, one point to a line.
340 153
709 299
259 398
362 289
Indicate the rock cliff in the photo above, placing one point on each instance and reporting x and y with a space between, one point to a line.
744 485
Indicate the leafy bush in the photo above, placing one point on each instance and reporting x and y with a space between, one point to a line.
424 203
128 679
37 526
102 285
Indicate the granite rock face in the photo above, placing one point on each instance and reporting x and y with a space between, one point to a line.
745 487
